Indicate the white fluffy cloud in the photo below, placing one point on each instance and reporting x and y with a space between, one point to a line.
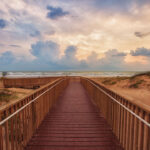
47 57
39 32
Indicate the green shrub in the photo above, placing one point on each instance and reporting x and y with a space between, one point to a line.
114 82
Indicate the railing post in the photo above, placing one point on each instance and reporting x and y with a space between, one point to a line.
140 133
130 145
146 135
1 134
12 130
1 82
6 131
127 128
33 116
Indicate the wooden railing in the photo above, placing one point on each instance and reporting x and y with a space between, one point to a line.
27 82
129 122
19 121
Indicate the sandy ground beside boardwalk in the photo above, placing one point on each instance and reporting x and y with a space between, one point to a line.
134 89
13 94
135 95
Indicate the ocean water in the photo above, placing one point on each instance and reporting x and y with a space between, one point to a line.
70 73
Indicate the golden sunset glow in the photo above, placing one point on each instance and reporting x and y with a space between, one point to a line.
88 26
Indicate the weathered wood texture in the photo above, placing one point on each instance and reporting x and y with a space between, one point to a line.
131 132
74 123
1 83
27 82
18 130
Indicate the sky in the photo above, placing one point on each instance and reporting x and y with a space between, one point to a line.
82 35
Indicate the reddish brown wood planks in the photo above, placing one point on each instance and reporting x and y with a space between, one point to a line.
74 123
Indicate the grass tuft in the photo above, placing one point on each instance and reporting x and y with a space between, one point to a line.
136 85
109 82
141 74
6 96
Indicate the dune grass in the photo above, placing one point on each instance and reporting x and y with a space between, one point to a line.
136 85
6 95
141 74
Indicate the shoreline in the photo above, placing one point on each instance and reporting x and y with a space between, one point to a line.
70 73
135 90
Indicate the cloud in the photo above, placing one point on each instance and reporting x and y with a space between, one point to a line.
47 53
115 53
45 50
123 6
6 58
2 44
140 52
47 58
56 12
28 29
69 61
113 4
14 45
112 60
141 35
1 12
35 33
3 23
70 52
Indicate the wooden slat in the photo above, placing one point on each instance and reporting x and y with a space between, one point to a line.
12 130
131 130
140 132
146 136
6 132
1 134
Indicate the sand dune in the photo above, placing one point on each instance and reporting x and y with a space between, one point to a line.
8 95
135 89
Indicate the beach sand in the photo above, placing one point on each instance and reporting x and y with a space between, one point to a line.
134 89
12 94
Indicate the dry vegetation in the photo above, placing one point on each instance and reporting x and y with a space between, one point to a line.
10 94
6 95
23 88
135 88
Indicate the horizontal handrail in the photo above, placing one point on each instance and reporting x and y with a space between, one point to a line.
138 117
129 122
32 82
16 112
7 106
139 104
20 120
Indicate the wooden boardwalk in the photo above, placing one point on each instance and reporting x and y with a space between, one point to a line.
74 123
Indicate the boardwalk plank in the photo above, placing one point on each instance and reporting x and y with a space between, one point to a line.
74 123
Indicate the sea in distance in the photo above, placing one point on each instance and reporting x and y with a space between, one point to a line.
70 73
